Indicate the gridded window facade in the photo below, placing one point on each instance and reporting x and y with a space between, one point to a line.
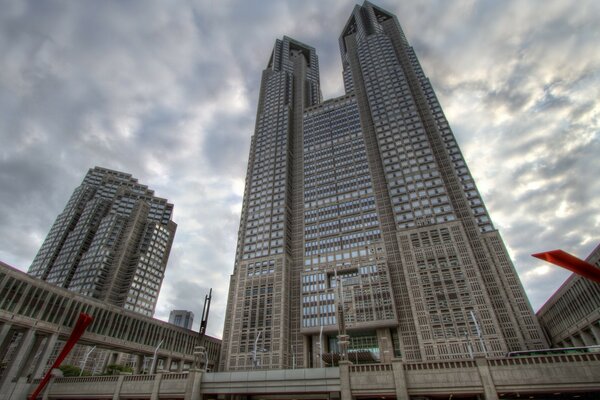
360 215
111 242
341 224
416 188
257 327
339 207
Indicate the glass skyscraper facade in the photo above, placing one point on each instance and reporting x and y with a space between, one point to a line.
111 242
361 218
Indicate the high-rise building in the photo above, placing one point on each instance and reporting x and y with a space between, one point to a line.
361 218
182 318
111 242
571 316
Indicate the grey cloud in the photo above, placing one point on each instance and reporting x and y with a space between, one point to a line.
226 144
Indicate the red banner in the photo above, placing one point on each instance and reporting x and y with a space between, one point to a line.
82 323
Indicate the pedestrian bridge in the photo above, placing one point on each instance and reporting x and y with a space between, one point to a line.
556 377
34 315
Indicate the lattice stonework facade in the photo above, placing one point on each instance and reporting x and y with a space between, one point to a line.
361 217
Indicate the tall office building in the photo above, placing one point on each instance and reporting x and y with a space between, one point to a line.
182 318
361 218
111 242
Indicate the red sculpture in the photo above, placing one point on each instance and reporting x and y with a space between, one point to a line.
82 323
570 262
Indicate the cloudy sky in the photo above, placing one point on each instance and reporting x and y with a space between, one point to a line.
167 91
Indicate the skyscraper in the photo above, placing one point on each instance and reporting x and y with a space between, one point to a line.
111 242
361 218
182 318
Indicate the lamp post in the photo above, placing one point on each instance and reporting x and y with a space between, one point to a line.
293 357
469 345
154 358
85 358
478 332
255 362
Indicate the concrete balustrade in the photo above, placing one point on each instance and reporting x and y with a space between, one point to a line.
486 378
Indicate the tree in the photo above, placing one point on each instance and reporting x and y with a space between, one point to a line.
71 370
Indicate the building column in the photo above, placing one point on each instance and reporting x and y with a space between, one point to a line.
108 360
45 355
4 333
118 386
595 329
306 351
386 349
119 359
139 361
193 385
53 375
5 337
179 365
16 365
400 379
587 338
489 389
345 391
167 366
156 386
577 342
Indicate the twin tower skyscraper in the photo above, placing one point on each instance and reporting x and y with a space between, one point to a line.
362 232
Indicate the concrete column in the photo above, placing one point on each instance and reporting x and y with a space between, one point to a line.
577 342
156 386
193 385
595 333
118 387
179 365
4 332
306 351
167 365
110 359
345 391
21 388
386 348
139 363
46 391
489 389
120 358
587 338
45 355
400 379
17 363
5 338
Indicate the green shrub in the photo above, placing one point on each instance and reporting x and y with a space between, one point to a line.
115 369
72 370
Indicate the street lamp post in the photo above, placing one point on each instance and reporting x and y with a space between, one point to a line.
321 347
293 357
85 358
483 348
154 358
255 361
